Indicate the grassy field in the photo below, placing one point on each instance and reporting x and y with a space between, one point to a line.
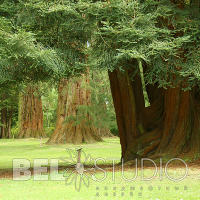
107 189
31 149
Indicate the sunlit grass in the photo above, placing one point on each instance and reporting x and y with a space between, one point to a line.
155 189
112 187
31 149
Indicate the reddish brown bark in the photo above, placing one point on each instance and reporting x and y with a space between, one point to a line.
31 114
182 128
124 103
75 124
57 136
169 127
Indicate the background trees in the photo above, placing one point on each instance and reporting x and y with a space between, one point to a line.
151 52
74 124
24 61
9 109
30 113
85 112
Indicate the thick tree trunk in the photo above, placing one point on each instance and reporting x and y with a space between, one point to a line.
169 127
74 125
124 103
57 135
31 114
181 131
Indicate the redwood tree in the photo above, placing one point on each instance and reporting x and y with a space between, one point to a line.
152 61
73 120
30 114
169 127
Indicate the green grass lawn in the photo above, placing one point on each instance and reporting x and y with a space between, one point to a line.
31 149
106 190
120 189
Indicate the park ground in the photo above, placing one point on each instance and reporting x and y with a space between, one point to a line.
107 189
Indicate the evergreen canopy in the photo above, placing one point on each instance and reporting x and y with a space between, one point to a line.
164 37
60 25
43 38
22 58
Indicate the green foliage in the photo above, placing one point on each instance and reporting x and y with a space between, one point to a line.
102 109
22 58
60 25
15 131
163 36
49 102
43 38
9 101
49 130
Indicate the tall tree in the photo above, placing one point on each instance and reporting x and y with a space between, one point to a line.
30 114
73 119
22 59
67 37
150 42
57 136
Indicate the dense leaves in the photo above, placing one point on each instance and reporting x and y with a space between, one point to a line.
60 25
46 38
21 59
160 34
